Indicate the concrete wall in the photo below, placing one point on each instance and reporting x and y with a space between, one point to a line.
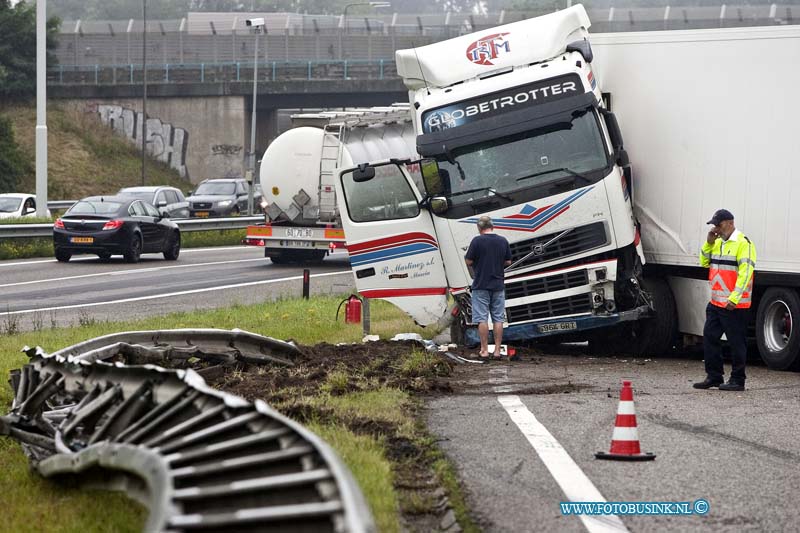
200 137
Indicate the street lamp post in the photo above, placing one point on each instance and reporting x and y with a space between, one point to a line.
41 109
371 4
257 24
144 91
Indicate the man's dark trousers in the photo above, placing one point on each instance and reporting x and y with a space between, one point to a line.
734 325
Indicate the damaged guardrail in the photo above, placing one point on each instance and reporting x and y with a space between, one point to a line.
198 458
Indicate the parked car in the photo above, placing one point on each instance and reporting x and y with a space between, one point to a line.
16 205
115 225
167 200
220 197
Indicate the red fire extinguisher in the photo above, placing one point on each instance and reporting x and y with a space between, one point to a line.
352 309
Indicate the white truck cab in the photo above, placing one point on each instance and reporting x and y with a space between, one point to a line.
510 123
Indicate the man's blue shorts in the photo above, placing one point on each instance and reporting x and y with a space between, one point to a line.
484 302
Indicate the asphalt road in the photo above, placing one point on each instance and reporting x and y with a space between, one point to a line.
45 290
738 451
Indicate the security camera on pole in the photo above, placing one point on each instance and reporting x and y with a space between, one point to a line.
257 24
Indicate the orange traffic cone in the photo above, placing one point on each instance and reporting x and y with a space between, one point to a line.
625 439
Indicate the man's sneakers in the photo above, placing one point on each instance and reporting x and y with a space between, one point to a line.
732 386
707 384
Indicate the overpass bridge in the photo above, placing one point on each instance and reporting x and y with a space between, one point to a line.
200 69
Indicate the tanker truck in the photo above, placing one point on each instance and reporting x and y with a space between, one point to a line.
297 176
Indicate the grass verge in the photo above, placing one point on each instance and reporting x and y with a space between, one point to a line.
368 413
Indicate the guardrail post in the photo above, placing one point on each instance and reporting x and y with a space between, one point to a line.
309 70
345 69
273 71
202 72
61 74
381 62
96 74
166 72
131 73
238 71
365 318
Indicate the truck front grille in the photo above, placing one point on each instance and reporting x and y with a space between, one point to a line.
556 282
579 240
571 305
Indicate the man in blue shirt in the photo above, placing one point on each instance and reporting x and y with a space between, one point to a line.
488 255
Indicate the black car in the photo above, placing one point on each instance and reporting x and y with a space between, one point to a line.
115 225
168 200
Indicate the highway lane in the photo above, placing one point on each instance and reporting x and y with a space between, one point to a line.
738 451
201 279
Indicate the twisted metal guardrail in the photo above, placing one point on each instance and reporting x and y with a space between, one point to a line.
198 458
16 231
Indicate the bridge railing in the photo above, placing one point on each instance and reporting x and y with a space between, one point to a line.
223 37
227 72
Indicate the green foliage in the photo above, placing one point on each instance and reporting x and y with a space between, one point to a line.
18 49
12 163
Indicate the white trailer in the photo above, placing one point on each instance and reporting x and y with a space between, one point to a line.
710 121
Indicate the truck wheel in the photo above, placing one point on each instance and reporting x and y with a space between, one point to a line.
649 336
458 330
656 335
777 331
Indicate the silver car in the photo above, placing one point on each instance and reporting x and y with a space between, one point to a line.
168 200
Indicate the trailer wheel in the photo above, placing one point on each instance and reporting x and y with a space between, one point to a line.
778 329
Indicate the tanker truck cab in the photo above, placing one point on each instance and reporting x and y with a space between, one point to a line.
511 123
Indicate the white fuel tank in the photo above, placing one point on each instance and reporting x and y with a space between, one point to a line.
291 166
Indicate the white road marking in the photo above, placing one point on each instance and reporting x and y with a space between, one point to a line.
577 487
171 294
128 272
90 258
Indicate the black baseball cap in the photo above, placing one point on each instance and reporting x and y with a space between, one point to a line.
719 216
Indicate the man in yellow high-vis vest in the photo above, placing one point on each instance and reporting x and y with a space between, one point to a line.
731 261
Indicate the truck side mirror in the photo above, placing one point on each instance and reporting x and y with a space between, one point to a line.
622 158
363 173
613 131
431 177
438 205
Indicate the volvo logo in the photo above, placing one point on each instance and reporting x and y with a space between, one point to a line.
538 249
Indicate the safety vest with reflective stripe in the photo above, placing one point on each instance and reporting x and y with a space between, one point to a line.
731 265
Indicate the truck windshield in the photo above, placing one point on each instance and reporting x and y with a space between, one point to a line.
568 151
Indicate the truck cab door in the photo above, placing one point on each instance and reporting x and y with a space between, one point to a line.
393 247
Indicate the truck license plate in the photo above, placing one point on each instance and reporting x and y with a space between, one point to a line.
559 326
299 244
82 240
302 233
202 214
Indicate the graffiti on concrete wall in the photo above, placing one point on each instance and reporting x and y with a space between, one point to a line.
165 143
226 149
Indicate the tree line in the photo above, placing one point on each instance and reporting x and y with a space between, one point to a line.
18 79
